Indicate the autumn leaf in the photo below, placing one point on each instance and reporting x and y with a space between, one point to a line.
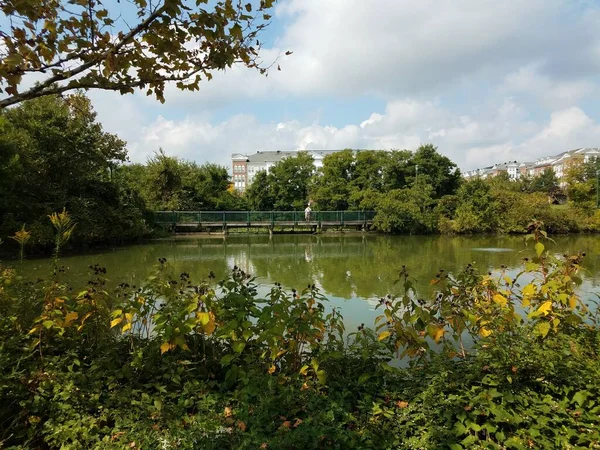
165 347
485 332
500 300
572 301
227 412
241 425
115 322
383 335
401 404
69 318
528 290
545 308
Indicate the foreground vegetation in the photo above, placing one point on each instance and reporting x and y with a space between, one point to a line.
490 361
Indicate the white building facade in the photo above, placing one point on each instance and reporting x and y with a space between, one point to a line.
245 167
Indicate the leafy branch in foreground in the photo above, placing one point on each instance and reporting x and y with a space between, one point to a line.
86 45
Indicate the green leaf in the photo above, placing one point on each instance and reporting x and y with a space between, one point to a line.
580 397
542 328
363 378
236 32
226 360
239 346
321 376
48 323
539 248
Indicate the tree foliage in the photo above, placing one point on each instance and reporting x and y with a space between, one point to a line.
59 156
89 45
285 187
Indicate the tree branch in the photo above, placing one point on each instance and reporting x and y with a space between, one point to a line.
44 88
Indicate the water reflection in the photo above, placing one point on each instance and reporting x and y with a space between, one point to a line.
357 267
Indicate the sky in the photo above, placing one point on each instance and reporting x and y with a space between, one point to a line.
485 81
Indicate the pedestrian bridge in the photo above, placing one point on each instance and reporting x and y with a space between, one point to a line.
263 219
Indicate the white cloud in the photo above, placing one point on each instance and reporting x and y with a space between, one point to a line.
459 75
551 93
567 129
400 47
469 140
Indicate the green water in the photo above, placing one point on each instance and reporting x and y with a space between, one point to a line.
352 270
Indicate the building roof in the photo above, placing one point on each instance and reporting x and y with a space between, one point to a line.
273 156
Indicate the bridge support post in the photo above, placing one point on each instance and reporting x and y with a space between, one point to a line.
225 229
271 230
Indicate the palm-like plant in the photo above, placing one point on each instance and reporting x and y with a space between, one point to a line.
22 237
64 225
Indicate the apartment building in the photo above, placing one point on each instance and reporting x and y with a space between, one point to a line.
558 163
245 167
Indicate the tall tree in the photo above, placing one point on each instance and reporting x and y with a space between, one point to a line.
331 189
476 210
88 45
260 192
164 182
398 170
547 183
290 179
59 156
368 169
439 171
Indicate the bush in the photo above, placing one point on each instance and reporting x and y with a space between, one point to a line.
493 362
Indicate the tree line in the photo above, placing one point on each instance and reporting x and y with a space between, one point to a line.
54 154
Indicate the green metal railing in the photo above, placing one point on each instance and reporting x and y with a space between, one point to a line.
260 217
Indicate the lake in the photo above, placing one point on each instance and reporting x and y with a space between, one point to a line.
352 270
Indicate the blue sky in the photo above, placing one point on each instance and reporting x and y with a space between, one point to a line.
485 81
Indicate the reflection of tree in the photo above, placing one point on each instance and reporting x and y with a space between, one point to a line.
345 266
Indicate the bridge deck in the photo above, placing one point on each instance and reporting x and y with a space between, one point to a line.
263 219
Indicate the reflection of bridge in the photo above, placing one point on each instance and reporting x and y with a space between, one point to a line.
263 219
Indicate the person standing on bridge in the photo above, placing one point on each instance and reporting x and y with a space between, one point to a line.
307 212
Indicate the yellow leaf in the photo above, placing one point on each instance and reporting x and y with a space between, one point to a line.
165 347
572 302
528 290
545 308
271 369
435 332
209 328
203 317
484 332
70 317
115 322
126 327
555 324
128 316
383 335
500 300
